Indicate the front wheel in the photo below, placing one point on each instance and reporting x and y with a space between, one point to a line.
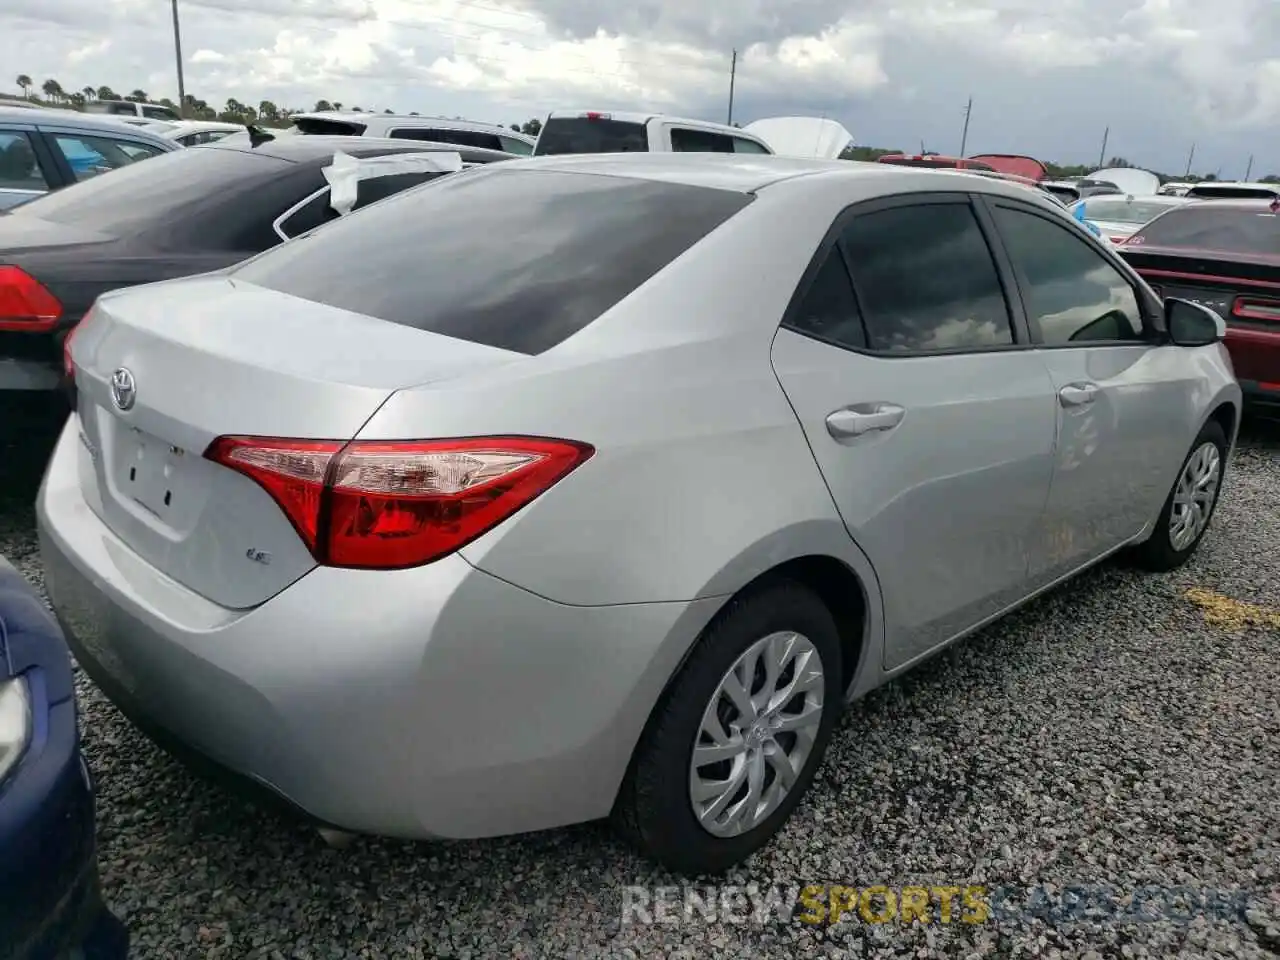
1189 508
734 742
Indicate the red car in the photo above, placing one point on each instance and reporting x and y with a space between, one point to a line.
934 161
1225 255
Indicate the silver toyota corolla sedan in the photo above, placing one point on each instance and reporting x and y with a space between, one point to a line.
596 486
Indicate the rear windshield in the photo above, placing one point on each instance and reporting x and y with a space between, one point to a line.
584 135
160 191
322 127
1248 230
518 260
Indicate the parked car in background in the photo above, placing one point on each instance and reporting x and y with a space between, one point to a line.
1224 255
466 133
935 161
50 902
46 150
132 108
1015 164
192 133
198 209
515 455
1174 189
1133 181
1077 188
1118 217
595 131
1229 190
802 136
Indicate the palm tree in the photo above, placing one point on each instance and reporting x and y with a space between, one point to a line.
269 112
24 82
52 89
106 93
322 105
77 100
138 96
89 93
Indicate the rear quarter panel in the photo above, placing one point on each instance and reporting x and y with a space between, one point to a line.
702 478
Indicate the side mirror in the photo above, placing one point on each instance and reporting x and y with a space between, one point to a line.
1191 325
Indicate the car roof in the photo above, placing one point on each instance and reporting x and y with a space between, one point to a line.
748 173
301 149
99 123
444 123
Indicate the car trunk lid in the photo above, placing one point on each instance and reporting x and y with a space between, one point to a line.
163 371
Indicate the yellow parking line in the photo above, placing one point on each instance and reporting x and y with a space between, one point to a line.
1232 614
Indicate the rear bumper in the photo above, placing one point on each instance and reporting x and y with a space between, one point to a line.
433 702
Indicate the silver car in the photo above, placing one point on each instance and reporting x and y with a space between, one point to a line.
592 486
1120 217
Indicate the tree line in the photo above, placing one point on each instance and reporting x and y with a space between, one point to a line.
269 114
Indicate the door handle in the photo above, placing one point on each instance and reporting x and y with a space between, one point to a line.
863 418
1078 394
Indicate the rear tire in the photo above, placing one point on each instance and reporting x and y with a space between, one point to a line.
780 737
1189 509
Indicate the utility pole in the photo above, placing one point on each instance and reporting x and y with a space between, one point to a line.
964 135
177 52
1249 169
733 75
1190 157
1102 154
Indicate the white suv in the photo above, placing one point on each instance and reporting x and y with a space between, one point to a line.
591 131
463 133
124 109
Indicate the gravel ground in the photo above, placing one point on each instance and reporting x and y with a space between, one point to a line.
1114 735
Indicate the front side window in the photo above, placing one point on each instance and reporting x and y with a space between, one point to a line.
926 280
1073 294
89 156
19 168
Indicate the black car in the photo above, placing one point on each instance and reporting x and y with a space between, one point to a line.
192 211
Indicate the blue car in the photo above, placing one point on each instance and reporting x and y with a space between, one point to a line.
51 906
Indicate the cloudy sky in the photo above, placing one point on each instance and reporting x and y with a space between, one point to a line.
1046 76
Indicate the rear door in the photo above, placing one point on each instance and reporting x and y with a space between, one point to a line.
27 170
1122 400
932 419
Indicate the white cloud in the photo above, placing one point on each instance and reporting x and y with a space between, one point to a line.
896 63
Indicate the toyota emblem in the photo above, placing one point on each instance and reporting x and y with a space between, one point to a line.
123 389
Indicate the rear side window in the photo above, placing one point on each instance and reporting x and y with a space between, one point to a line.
926 280
743 145
19 168
585 135
443 258
461 138
1228 229
688 140
828 310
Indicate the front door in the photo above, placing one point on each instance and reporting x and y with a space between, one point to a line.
929 415
1120 405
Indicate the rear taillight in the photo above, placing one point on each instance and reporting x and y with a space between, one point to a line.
25 304
390 505
1256 308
